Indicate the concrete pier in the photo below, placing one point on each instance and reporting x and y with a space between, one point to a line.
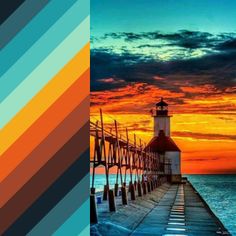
170 210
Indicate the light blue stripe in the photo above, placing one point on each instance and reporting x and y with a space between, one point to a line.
48 42
77 224
32 32
65 218
85 232
44 72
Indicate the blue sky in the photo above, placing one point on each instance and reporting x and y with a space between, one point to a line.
184 42
129 26
212 16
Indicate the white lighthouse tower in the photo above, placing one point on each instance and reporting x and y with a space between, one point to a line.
161 118
163 144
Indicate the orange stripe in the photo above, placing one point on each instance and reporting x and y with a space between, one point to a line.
45 124
45 151
43 100
42 153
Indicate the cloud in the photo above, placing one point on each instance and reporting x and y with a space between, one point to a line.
205 83
182 38
111 81
204 136
196 159
218 70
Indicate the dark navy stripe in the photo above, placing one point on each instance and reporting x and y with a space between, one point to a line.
19 19
51 197
7 7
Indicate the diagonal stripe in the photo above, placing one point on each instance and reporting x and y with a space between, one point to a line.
47 69
8 8
73 204
42 127
45 45
59 163
44 98
19 19
71 226
42 153
85 232
32 32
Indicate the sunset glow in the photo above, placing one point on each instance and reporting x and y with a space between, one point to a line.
171 50
204 128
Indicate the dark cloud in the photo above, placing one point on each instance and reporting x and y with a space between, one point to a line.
114 70
196 159
204 136
218 69
183 38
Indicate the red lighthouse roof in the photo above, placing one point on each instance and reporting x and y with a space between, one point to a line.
162 143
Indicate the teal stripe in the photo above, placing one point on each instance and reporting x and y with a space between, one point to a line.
32 32
44 72
48 42
65 218
78 224
85 232
19 19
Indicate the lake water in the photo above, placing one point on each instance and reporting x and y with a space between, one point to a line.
219 191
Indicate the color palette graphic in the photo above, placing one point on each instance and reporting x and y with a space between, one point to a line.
44 117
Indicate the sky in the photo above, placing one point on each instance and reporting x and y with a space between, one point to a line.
184 51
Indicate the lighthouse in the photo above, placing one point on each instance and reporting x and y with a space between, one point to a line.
161 118
163 144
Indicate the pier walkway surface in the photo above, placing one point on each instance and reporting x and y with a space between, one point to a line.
170 210
180 212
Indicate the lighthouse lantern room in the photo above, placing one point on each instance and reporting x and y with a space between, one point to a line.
161 118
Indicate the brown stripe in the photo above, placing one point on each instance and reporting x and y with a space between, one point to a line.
44 125
24 198
42 153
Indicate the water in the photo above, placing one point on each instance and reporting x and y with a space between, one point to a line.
219 191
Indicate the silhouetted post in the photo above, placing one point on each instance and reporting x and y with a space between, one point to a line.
144 188
124 195
93 209
148 186
116 189
129 188
135 184
105 192
112 204
92 190
132 191
152 187
139 189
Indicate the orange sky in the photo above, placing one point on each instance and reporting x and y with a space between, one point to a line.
204 126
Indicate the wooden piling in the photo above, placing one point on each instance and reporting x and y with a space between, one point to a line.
111 199
148 186
144 188
93 209
92 190
139 189
132 191
105 192
116 189
124 195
